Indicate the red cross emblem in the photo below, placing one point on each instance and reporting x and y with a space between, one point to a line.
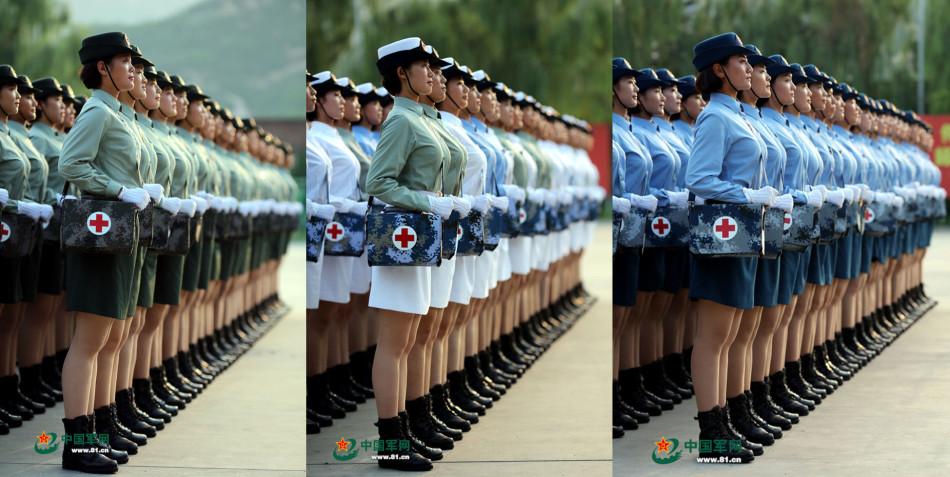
522 215
335 232
869 216
4 232
99 223
459 233
661 226
788 221
725 228
404 237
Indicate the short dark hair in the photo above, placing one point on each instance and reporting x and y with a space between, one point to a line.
391 81
89 74
312 115
707 82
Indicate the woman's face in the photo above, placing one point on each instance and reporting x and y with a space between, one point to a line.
784 89
439 87
761 81
196 113
332 103
138 83
386 110
852 113
817 97
456 89
839 108
738 71
182 105
209 127
420 77
506 113
518 117
28 107
803 97
474 100
626 91
830 110
373 113
673 100
693 105
490 105
70 116
153 95
529 117
351 109
652 99
169 103
311 98
122 71
53 108
9 99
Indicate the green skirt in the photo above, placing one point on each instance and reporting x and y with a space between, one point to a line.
147 283
30 269
189 276
51 270
168 272
207 257
10 289
140 253
100 283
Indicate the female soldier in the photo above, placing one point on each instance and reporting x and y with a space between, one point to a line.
404 173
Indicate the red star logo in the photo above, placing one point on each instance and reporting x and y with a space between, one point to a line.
663 445
44 439
342 445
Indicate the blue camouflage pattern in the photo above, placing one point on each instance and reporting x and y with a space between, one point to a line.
745 222
381 232
353 240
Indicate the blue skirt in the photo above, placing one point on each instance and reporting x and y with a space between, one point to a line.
788 276
804 262
814 265
626 271
867 253
677 260
727 281
829 259
857 248
843 257
926 232
767 276
652 270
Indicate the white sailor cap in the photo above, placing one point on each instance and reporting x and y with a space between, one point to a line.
367 93
454 70
366 88
434 59
399 53
325 81
502 91
347 87
382 91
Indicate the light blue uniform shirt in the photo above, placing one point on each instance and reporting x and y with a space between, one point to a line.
637 166
665 160
684 131
775 155
793 177
366 140
678 146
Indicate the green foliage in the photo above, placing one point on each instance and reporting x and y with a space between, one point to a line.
870 44
556 51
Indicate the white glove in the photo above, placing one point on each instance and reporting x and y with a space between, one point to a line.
536 195
171 204
941 193
774 191
481 203
46 213
323 211
898 201
699 200
835 197
645 202
201 205
310 205
882 198
217 203
500 202
867 195
359 208
514 192
621 205
231 203
760 196
678 198
848 194
784 202
342 205
462 205
134 196
5 196
29 209
188 207
204 195
901 191
441 206
814 198
155 191
863 187
822 189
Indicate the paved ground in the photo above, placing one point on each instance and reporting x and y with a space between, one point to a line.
887 420
553 422
249 422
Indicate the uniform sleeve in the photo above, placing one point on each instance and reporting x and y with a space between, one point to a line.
705 163
76 163
617 164
396 143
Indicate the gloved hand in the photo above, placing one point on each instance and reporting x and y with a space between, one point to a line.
217 204
500 202
848 195
462 205
784 202
5 196
821 188
155 191
514 192
134 196
46 213
941 193
898 201
814 198
188 207
481 203
699 200
867 195
323 211
773 190
204 195
201 205
882 198
440 206
359 208
760 196
678 198
342 205
60 198
310 205
835 197
645 202
245 208
536 195
621 205
863 187
171 204
29 209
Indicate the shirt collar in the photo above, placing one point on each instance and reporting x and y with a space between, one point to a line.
408 104
107 98
324 129
773 114
451 119
429 111
16 126
727 101
643 123
621 121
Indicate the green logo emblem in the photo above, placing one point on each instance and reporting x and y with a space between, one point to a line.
49 441
672 455
345 449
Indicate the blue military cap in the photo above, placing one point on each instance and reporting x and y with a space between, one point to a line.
667 77
717 48
688 85
847 92
649 79
813 74
455 70
622 68
778 67
755 56
798 74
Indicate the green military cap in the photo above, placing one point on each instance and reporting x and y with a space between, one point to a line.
68 95
163 80
25 86
178 83
8 75
105 45
45 87
194 93
138 59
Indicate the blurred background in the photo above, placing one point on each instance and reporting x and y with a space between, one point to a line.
557 52
893 49
245 54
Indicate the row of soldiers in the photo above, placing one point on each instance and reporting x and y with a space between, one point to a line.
202 290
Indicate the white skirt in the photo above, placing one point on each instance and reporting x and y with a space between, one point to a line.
314 271
504 269
464 280
519 253
335 282
495 265
482 275
442 283
540 253
403 289
359 282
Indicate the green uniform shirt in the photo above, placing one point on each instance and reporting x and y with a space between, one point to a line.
99 154
149 160
519 169
181 172
458 156
540 158
50 144
350 140
164 160
408 157
14 170
39 169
